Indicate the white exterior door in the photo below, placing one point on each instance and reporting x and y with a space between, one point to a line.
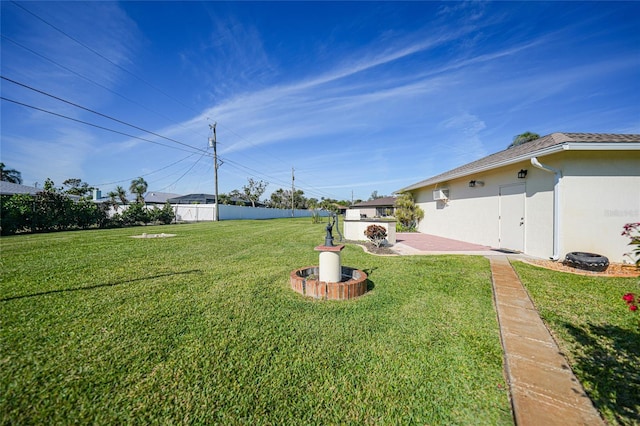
512 217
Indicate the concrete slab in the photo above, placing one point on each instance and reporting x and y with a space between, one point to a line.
534 409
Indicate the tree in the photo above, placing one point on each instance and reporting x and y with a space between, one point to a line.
139 187
49 186
113 195
224 199
313 204
281 199
122 194
375 196
77 187
407 212
10 175
254 190
524 138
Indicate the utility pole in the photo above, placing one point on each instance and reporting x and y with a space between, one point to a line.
212 144
293 191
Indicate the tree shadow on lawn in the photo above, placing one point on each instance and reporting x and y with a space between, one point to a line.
609 359
91 287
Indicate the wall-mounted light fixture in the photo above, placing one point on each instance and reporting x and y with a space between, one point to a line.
522 174
474 183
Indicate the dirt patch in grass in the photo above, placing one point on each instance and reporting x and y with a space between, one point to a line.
614 269
145 235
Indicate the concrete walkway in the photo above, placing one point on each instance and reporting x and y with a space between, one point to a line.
544 390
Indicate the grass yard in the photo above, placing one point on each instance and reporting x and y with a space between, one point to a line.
596 331
97 327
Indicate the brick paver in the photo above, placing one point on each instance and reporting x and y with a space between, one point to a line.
544 390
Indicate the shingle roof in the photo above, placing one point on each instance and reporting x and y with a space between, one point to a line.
202 198
545 145
158 197
378 202
9 188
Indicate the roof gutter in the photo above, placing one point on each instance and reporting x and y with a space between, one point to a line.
566 146
556 204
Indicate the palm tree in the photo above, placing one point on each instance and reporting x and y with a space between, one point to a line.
112 199
10 175
122 194
524 138
139 187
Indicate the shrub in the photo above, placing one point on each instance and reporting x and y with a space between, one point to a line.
632 230
136 213
164 215
407 213
14 212
376 234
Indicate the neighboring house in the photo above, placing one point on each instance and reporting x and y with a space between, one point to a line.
380 207
154 197
8 188
193 199
561 193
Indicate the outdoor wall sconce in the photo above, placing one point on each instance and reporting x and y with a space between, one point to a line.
522 174
474 183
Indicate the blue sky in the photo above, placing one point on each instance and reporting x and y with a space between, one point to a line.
356 97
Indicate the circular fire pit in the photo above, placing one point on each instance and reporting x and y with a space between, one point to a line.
305 281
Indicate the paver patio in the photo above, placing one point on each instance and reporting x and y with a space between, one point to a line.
417 243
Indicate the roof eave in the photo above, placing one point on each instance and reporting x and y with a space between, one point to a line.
567 146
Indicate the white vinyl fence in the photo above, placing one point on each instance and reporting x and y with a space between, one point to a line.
206 212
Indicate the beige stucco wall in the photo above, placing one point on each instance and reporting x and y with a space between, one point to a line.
471 214
599 193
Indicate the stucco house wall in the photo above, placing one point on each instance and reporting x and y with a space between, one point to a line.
473 213
598 192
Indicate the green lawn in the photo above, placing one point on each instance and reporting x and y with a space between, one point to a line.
596 331
97 327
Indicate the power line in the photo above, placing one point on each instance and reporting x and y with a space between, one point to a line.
85 78
103 57
92 124
184 174
97 113
147 174
118 94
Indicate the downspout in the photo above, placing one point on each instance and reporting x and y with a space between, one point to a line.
556 204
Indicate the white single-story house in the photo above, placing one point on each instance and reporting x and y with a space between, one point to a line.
561 193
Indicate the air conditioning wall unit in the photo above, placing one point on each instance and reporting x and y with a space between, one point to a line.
441 194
